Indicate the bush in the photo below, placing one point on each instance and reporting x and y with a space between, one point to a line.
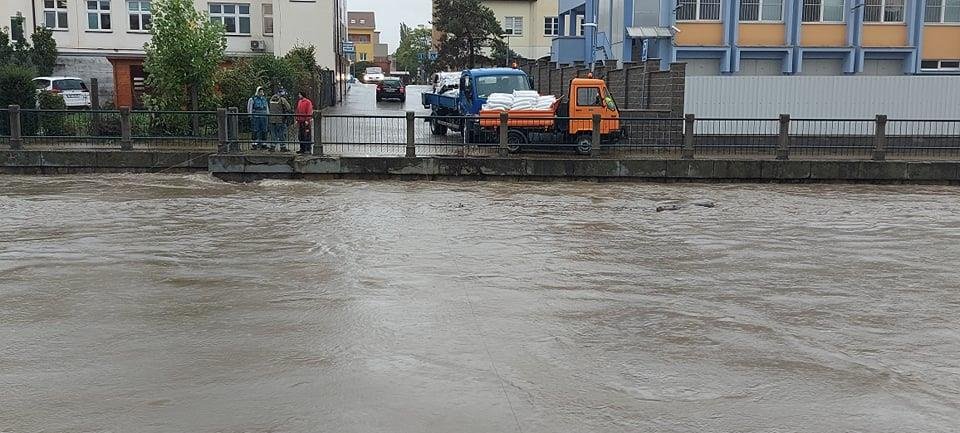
238 82
16 88
52 123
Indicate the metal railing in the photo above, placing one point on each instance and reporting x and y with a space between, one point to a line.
412 135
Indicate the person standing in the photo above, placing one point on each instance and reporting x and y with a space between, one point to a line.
279 111
304 119
258 108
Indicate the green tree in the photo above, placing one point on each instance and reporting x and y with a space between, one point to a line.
502 55
16 88
43 55
414 44
470 31
303 60
183 57
238 82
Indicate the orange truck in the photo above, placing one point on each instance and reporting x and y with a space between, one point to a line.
570 120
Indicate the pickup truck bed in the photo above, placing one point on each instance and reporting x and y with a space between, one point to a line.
435 100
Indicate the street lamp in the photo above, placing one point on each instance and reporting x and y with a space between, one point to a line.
507 36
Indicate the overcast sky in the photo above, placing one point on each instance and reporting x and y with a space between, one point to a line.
390 13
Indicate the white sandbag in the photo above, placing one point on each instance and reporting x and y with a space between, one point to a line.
525 94
504 98
452 93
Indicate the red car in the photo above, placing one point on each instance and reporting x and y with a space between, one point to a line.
391 88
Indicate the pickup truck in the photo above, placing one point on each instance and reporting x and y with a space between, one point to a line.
566 121
455 112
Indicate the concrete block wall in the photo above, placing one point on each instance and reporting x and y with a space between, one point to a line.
87 67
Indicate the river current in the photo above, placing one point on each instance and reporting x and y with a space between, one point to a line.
179 303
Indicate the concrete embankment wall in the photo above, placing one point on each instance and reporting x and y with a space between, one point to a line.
66 162
249 167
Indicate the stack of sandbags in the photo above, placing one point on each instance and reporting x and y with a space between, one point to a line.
524 99
499 102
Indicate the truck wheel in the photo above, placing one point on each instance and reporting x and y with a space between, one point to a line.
436 128
584 143
515 139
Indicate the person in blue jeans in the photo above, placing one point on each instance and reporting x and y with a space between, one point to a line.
280 118
258 107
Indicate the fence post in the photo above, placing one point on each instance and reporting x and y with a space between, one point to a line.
783 141
317 133
233 130
504 134
411 135
595 136
16 133
126 140
222 133
689 122
880 139
95 105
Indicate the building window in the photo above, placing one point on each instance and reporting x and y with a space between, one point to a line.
363 21
942 11
353 21
267 19
761 10
235 17
823 11
883 11
580 25
551 26
362 57
698 10
55 14
98 14
513 26
140 17
940 65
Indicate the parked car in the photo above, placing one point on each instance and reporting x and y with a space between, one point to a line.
74 90
391 88
373 75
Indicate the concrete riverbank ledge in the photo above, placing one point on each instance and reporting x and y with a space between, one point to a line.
91 161
254 167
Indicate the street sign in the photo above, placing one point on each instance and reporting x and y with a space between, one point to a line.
645 49
421 56
349 47
434 55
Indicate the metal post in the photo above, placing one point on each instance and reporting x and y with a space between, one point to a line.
317 133
16 137
233 130
95 105
222 133
689 122
880 139
595 138
195 106
504 134
126 140
783 141
411 135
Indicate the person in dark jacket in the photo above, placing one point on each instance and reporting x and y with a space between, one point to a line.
258 107
305 123
279 110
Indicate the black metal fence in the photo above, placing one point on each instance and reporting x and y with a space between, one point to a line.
418 135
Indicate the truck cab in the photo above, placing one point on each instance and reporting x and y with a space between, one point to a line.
476 85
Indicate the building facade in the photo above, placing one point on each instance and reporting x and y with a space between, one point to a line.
529 25
767 37
104 39
362 31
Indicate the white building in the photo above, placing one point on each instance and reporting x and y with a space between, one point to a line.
530 25
104 39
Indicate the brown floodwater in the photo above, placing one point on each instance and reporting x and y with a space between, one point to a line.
178 303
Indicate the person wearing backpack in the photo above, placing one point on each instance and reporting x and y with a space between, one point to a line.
279 113
258 108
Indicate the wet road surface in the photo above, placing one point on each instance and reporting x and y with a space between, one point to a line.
149 303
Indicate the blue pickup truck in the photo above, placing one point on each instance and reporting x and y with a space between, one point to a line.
460 112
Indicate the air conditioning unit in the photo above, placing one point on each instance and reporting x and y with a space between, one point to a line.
258 45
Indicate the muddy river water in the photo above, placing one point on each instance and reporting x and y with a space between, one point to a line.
178 303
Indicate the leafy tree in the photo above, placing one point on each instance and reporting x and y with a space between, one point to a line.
183 57
470 30
414 43
16 88
502 55
238 82
43 55
303 60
